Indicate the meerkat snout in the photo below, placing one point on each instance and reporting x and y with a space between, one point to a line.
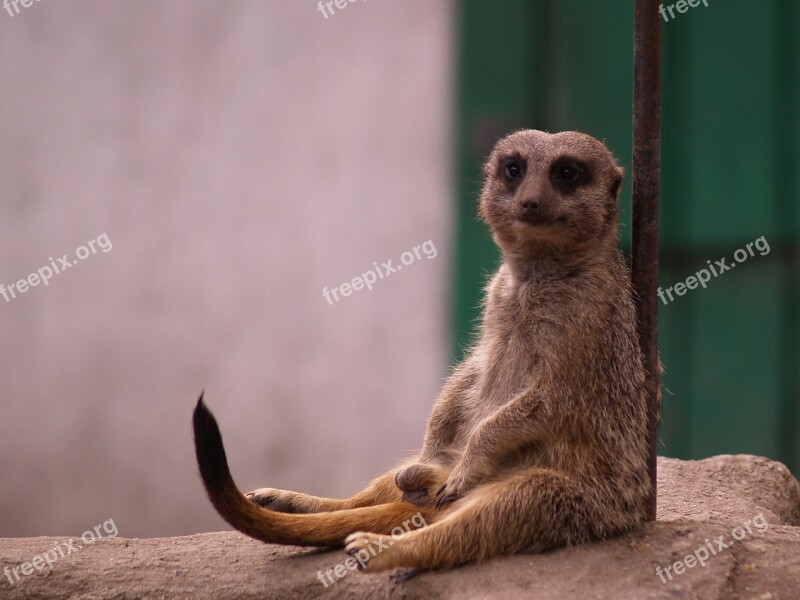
535 203
530 209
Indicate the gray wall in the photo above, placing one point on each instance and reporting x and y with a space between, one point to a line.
240 156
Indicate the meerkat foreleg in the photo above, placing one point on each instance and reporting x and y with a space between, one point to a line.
519 423
420 480
445 417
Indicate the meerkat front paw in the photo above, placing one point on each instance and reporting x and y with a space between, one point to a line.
419 482
369 550
453 489
277 500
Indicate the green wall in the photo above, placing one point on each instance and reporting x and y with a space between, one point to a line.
730 162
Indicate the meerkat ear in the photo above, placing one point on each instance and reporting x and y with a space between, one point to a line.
617 182
611 206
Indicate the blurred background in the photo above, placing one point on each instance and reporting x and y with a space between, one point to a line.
243 156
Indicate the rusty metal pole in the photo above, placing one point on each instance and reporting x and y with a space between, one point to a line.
646 158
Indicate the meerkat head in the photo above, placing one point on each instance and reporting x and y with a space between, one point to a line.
555 191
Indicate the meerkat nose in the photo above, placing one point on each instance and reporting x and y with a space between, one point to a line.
530 207
530 204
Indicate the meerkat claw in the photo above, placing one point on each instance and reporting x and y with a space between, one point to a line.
443 499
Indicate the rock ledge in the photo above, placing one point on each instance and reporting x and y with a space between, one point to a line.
701 503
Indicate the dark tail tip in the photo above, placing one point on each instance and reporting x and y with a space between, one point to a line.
209 450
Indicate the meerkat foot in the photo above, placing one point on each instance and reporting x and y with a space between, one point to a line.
371 551
280 500
419 482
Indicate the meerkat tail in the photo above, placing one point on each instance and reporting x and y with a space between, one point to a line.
315 529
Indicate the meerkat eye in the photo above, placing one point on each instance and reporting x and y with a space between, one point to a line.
566 172
513 170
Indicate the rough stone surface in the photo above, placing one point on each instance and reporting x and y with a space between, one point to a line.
727 489
701 503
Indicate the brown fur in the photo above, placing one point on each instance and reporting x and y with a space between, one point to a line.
538 439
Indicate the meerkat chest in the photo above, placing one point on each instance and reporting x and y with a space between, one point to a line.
517 324
509 365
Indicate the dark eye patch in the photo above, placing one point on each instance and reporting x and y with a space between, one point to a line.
511 169
568 173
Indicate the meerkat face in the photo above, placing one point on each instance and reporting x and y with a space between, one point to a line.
555 189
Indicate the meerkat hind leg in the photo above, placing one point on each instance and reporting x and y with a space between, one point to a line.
382 490
529 512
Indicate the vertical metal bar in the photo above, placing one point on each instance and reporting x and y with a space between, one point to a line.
646 158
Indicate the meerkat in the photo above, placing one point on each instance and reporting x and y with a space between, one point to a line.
538 438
